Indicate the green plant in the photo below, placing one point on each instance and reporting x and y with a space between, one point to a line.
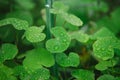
59 47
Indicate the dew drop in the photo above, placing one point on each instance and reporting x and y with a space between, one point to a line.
62 34
97 49
102 49
56 47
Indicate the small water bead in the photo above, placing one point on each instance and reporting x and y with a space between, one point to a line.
97 49
110 50
47 5
62 34
64 40
102 49
56 47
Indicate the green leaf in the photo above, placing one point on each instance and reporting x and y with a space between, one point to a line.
17 23
40 74
72 19
80 36
23 15
106 77
21 72
72 59
103 65
61 41
103 48
5 69
116 44
60 21
37 58
115 19
33 34
81 74
58 7
109 23
8 51
6 73
102 33
3 76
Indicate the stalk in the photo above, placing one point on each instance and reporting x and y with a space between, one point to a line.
49 24
49 18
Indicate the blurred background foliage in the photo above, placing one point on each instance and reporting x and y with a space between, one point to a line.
94 14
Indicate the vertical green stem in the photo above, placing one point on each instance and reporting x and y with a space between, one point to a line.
50 23
49 18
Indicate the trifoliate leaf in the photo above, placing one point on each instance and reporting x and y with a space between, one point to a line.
37 58
17 23
33 34
61 41
72 59
8 51
81 74
40 74
106 77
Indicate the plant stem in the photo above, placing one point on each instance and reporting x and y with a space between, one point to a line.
49 18
49 24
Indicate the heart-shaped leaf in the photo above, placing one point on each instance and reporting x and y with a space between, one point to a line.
33 34
83 74
103 65
104 47
40 74
61 41
37 58
8 51
17 23
106 77
72 59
